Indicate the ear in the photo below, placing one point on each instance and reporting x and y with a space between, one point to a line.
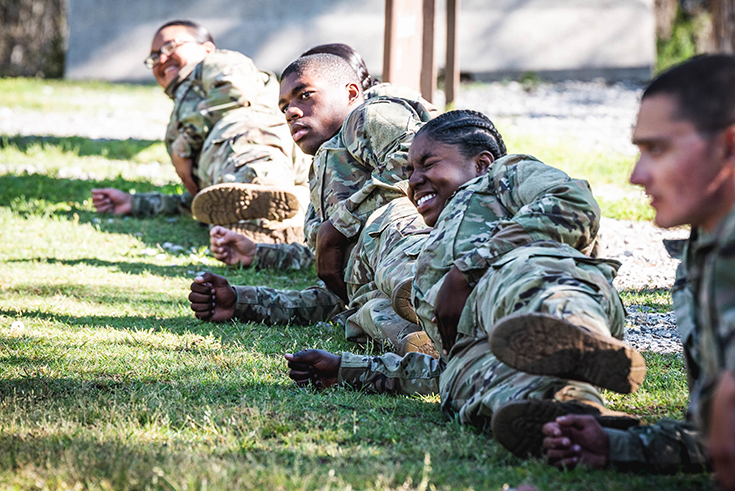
483 160
209 46
354 94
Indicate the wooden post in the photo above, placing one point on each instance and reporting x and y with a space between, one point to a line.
402 54
451 72
428 69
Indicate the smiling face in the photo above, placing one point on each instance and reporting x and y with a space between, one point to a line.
688 176
436 170
188 52
315 107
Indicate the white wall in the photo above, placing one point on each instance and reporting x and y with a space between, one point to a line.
109 39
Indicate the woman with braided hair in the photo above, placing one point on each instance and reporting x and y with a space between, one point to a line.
501 287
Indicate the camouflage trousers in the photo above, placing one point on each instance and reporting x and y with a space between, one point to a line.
385 254
262 153
387 247
555 280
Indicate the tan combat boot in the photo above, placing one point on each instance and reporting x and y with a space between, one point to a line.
543 344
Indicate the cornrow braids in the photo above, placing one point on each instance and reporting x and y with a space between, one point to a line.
471 131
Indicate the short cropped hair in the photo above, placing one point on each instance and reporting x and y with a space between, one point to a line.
350 56
704 90
200 33
328 66
471 131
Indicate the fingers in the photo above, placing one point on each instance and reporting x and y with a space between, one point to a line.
551 429
195 297
576 421
202 288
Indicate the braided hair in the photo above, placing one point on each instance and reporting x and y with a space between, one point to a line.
471 131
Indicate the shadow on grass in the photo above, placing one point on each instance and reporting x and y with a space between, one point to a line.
122 266
80 146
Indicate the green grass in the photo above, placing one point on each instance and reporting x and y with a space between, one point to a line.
83 97
107 381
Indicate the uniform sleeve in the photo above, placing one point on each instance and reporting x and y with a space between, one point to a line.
415 373
543 203
283 256
377 135
667 446
270 306
228 81
152 204
311 225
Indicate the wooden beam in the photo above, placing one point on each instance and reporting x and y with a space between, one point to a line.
389 38
451 72
428 68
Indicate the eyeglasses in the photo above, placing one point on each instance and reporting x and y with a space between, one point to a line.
167 49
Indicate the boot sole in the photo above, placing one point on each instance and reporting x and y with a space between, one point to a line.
400 299
417 342
546 345
518 425
231 202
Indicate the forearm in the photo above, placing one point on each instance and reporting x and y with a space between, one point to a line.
415 373
668 446
271 306
283 256
152 204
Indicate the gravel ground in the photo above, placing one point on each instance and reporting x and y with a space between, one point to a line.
597 115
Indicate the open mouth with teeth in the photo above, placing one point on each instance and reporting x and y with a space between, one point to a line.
424 202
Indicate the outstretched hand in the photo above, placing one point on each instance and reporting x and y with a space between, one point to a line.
212 298
313 366
230 247
111 200
576 439
450 302
330 252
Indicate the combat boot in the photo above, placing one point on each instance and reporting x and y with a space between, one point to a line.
400 299
517 425
229 203
543 344
418 342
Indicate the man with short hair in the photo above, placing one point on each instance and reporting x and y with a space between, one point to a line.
227 141
359 153
686 136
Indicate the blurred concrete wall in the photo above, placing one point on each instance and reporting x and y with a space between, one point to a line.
108 39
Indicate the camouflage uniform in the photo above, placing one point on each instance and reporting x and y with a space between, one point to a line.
299 257
226 119
496 230
355 173
704 299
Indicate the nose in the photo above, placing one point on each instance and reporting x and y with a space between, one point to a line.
640 175
416 178
161 59
293 113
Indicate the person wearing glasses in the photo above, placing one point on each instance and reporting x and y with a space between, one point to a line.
228 142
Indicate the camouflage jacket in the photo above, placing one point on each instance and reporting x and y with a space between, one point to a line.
518 201
704 299
225 83
361 168
336 159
